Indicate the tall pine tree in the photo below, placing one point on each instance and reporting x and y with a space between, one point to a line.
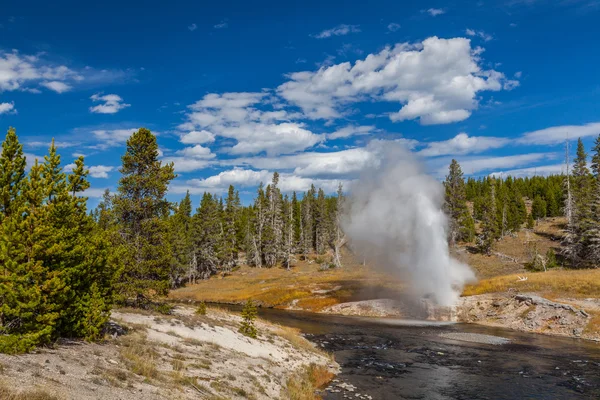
141 210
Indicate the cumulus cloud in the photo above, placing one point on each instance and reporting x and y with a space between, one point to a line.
6 108
96 171
196 151
339 30
343 163
197 137
463 144
112 103
437 81
237 116
246 178
558 134
57 86
18 71
100 171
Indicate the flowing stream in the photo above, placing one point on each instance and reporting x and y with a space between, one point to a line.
395 359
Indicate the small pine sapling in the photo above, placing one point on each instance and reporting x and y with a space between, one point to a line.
249 314
201 310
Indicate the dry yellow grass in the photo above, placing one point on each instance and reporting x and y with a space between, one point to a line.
593 327
553 284
8 393
278 287
302 385
138 355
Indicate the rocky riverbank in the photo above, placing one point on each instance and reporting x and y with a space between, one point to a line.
527 312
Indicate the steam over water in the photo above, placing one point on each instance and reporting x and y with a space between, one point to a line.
395 221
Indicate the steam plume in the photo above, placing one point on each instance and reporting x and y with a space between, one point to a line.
396 222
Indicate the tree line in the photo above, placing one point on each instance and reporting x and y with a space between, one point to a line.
497 206
64 267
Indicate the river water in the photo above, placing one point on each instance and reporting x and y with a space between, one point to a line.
394 359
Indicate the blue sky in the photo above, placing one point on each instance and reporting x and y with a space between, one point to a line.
315 91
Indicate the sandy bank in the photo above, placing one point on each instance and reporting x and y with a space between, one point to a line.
182 356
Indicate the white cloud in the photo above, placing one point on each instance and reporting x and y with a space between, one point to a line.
57 86
437 81
222 25
434 12
558 134
187 164
112 137
343 163
192 27
246 178
6 108
518 74
463 144
196 151
112 103
191 158
100 171
237 116
542 170
94 192
46 145
96 171
197 137
352 130
471 166
393 27
480 34
339 30
17 71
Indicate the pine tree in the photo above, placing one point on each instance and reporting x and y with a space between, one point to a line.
249 313
488 222
530 221
583 222
297 224
12 172
75 251
206 236
308 221
538 208
321 222
141 208
462 227
228 254
181 242
28 315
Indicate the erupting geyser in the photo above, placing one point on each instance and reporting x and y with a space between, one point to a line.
395 220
